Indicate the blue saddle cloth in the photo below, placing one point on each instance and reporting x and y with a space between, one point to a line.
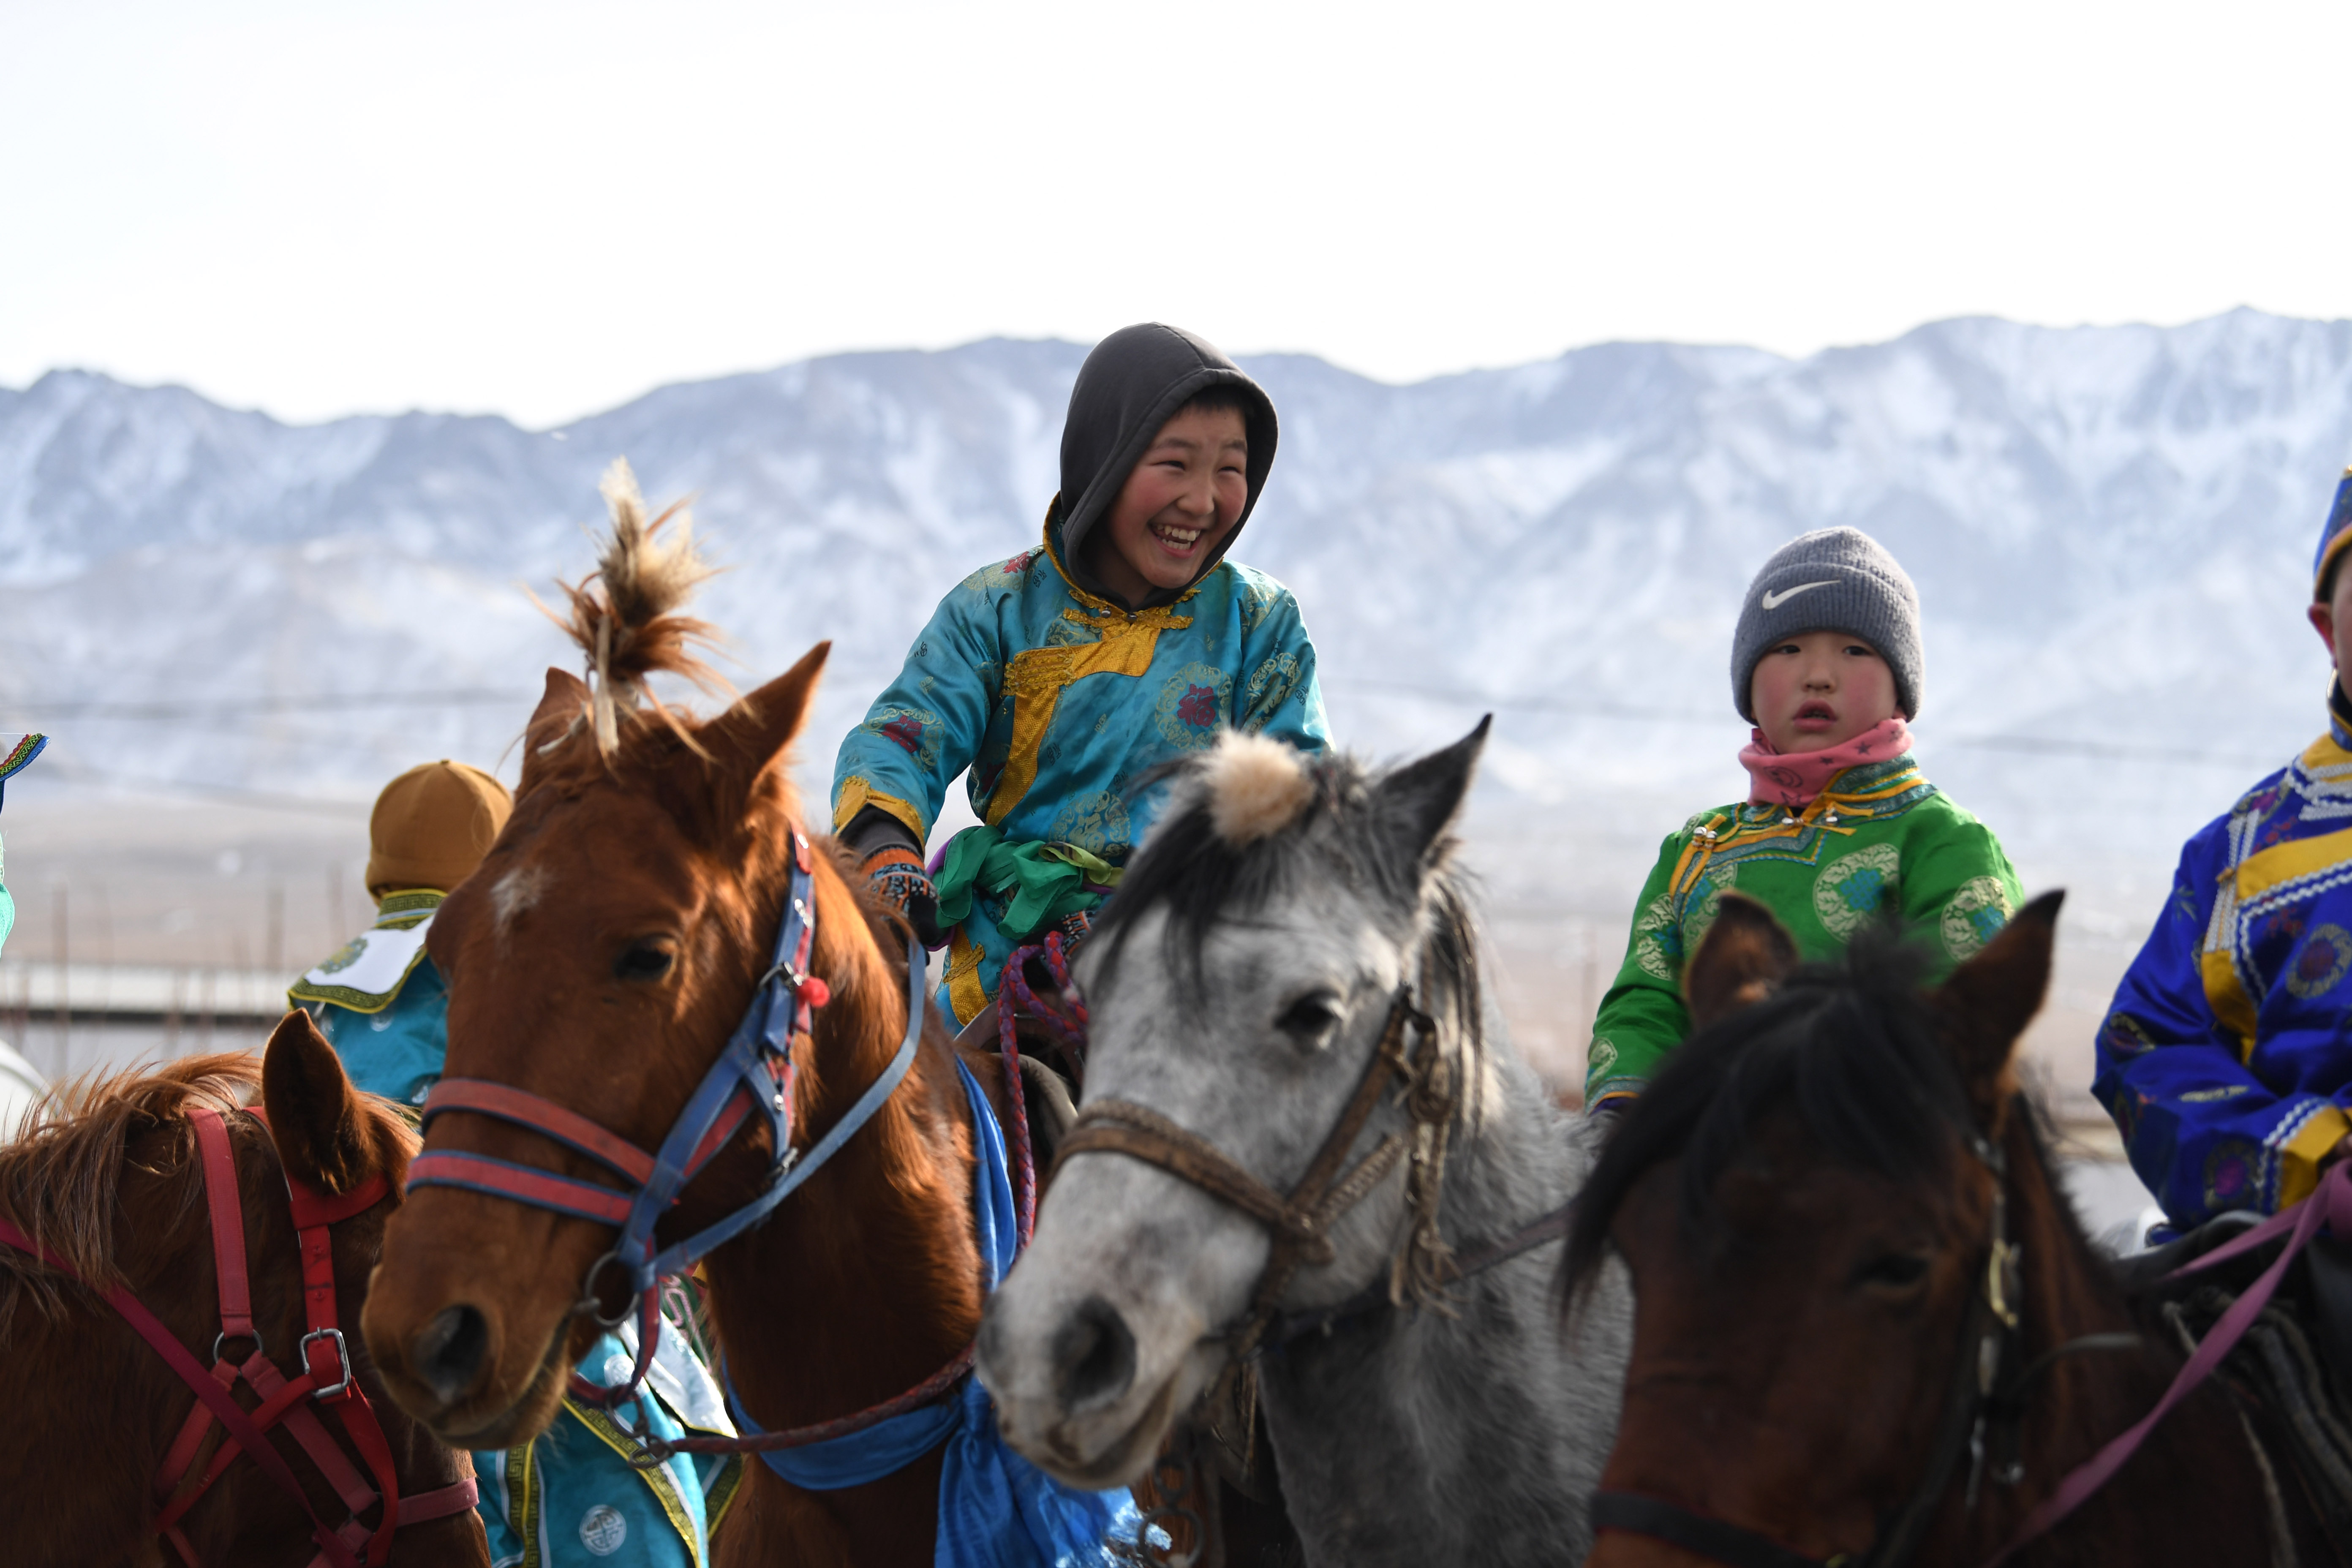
997 1508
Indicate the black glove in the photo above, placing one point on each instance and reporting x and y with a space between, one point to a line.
898 877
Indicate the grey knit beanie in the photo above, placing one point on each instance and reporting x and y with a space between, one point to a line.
1836 580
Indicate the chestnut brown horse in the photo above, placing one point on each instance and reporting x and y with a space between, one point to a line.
108 1179
597 962
1868 1327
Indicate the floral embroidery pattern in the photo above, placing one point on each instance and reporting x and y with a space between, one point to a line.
1700 911
914 731
1095 822
1191 703
1658 941
1251 603
1850 890
2322 964
993 576
1973 917
2124 1036
1270 685
2232 1176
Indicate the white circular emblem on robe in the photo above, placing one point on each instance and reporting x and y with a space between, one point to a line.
603 1530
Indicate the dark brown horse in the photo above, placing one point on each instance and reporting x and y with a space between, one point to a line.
1817 1200
599 960
107 1178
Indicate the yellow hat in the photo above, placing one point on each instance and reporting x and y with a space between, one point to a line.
432 827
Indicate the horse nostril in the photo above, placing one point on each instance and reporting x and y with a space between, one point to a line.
447 1352
1095 1354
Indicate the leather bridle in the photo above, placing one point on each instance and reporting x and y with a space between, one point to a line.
753 1076
1983 1417
1300 1221
325 1380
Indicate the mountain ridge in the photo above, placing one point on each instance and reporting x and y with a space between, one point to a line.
2109 526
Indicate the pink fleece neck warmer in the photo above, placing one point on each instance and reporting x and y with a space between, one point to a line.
1792 779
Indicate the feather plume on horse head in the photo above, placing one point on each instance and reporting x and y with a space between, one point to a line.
624 615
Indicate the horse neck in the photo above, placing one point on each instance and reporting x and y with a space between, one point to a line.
1502 1420
2087 1398
868 1279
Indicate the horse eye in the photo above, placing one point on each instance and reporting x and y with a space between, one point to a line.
1892 1270
643 960
1308 1017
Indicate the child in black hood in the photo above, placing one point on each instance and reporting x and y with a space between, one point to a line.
1124 640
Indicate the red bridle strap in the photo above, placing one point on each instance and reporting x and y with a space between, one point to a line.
209 1393
325 1376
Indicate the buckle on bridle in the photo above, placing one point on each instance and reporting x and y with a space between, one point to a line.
343 1364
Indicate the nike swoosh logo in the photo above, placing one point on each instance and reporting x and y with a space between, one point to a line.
1774 601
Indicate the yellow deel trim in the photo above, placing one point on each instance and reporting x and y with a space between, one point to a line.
2325 753
1826 805
1702 844
964 992
856 794
2258 873
724 1489
659 1479
2232 1008
2299 1161
523 1494
1034 679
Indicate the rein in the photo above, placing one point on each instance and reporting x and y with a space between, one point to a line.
325 1379
753 1074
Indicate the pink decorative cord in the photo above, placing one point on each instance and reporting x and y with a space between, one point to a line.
2330 1207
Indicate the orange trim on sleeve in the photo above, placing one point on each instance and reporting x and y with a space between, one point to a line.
856 794
2299 1161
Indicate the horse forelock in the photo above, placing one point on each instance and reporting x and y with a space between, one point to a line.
736 849
1850 1048
1192 867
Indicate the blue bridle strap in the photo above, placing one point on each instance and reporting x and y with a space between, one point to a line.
753 1072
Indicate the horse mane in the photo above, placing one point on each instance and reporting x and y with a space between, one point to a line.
625 615
1851 1045
61 1180
1189 866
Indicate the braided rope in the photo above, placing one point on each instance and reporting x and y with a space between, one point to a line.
927 1392
1014 996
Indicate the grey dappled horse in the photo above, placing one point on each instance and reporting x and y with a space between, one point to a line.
1242 987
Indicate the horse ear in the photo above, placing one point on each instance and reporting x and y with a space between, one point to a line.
314 1112
750 736
563 705
1418 801
1989 1000
1741 960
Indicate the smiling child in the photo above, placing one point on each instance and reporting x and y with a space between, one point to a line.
1839 824
1060 677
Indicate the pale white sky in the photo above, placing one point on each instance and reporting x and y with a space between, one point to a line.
542 210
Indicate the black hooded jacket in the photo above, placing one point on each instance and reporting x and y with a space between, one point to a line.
1131 385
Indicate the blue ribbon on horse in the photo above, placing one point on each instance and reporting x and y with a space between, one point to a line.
997 1508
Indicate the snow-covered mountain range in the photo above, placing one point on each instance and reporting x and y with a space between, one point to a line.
2110 529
